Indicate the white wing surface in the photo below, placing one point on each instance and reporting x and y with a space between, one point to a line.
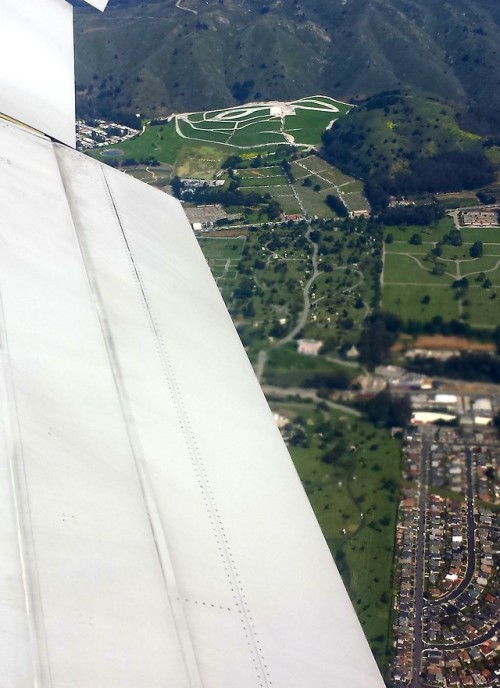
37 85
99 4
153 530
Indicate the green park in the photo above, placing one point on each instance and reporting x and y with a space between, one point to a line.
442 271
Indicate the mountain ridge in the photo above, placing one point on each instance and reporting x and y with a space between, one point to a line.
158 58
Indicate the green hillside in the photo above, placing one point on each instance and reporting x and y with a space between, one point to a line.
403 144
154 57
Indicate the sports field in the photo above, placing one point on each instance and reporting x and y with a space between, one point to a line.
418 286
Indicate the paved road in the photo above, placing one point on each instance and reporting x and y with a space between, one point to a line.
186 9
470 642
305 291
418 644
306 394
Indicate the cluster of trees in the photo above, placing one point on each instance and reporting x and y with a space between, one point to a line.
337 205
226 197
422 215
481 367
447 171
476 250
452 170
380 331
150 161
388 411
386 143
328 381
241 91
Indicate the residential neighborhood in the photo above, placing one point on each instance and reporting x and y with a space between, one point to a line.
447 606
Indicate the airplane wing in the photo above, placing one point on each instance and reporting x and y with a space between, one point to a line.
153 530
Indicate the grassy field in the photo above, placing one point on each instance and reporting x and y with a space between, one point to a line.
400 270
482 306
330 180
186 158
460 199
275 180
411 290
286 368
408 301
351 474
223 257
285 196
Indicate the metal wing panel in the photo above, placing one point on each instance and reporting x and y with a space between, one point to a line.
36 66
98 4
165 535
230 463
97 608
185 524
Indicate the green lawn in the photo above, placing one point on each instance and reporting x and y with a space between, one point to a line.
491 250
356 201
286 368
351 476
432 234
482 306
211 135
352 187
405 247
490 265
284 195
259 172
399 269
407 302
223 256
190 158
486 234
280 180
314 201
308 125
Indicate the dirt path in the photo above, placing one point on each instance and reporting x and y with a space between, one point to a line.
186 9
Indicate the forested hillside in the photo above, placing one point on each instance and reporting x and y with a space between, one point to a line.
156 57
400 144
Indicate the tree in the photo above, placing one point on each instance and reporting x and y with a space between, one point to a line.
177 186
380 331
415 239
453 237
386 410
334 202
476 250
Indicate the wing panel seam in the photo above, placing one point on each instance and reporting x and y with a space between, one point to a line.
25 537
197 462
150 505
